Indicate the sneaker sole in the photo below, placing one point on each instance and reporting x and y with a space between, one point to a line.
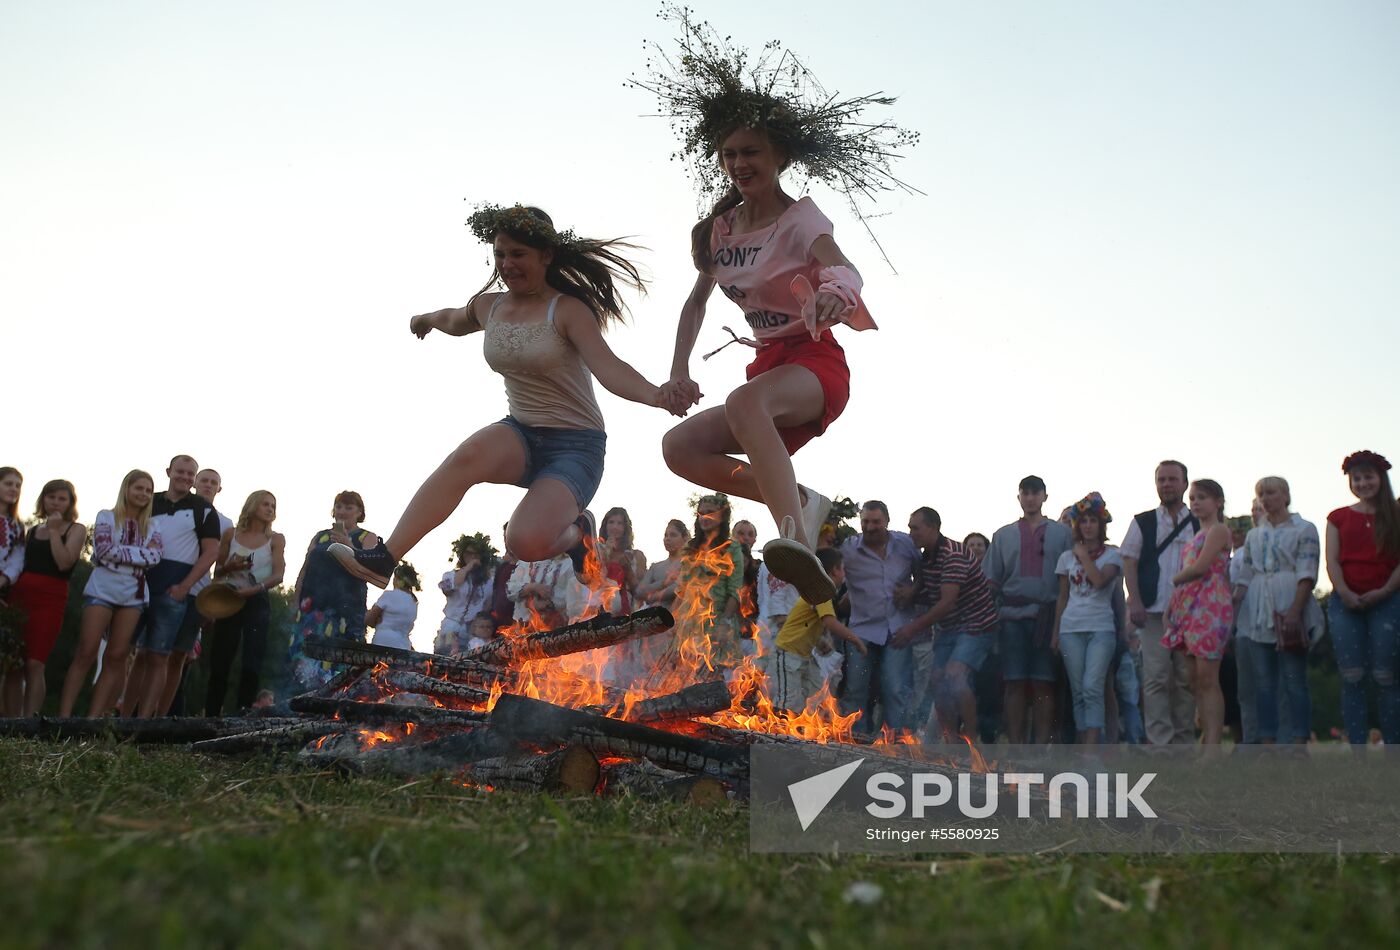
791 562
345 557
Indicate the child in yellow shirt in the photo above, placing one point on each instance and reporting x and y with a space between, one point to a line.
794 671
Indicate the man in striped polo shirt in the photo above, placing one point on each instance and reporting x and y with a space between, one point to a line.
953 593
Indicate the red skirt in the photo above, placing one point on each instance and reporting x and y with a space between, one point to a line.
44 599
827 361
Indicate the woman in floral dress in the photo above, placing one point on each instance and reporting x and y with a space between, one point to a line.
1200 612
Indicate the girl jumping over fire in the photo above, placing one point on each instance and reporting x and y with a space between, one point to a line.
544 334
774 256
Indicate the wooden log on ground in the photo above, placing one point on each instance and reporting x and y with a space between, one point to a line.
530 720
451 754
701 699
282 737
407 682
378 713
572 769
145 731
642 779
593 634
455 668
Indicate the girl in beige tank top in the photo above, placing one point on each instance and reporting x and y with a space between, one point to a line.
544 336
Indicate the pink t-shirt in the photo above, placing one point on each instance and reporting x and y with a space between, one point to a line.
755 270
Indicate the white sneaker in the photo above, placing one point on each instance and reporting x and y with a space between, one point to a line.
814 514
795 563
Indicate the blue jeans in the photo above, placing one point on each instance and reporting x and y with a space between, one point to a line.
1125 684
1087 656
1270 665
1368 639
895 668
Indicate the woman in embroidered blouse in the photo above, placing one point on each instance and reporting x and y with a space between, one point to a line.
1363 563
544 334
125 542
11 529
1278 566
466 591
1200 612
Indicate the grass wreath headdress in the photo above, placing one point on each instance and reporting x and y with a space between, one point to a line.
710 87
406 573
478 542
488 220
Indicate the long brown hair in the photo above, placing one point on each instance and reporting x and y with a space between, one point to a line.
703 232
1387 513
7 470
627 538
586 269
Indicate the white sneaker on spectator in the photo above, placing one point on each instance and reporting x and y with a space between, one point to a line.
795 563
814 513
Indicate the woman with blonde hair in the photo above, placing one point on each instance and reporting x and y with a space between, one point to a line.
1278 617
252 560
125 542
51 549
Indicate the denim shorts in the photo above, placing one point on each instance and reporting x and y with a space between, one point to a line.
160 625
1021 657
188 634
572 456
99 602
969 649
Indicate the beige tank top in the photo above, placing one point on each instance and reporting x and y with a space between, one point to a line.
547 383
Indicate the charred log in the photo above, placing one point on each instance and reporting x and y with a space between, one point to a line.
450 754
145 731
702 699
530 720
455 668
596 633
645 780
430 686
282 737
380 713
572 769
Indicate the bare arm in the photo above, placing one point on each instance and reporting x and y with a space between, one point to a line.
839 629
617 376
1215 543
1060 604
66 553
221 562
454 321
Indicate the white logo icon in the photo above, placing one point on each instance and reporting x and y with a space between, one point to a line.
811 795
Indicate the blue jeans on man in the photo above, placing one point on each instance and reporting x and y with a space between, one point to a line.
893 669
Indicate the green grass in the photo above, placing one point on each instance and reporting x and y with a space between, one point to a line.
108 845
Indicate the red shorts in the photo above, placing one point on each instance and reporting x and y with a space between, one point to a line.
44 599
825 358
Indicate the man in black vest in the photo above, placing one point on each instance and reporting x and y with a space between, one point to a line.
1152 551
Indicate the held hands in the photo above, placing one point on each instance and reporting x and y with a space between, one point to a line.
906 634
1137 613
678 395
1369 599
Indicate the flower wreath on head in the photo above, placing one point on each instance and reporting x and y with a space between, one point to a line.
712 87
718 499
405 572
1366 457
1091 503
478 542
487 220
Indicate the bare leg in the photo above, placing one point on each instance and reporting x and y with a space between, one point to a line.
1042 711
13 696
94 620
699 448
109 684
151 693
542 525
35 687
174 670
1014 709
1209 699
494 454
134 686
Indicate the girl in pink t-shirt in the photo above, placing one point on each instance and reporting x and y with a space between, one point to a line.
775 258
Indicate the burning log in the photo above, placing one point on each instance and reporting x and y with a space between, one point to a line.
596 633
450 753
281 737
145 731
531 720
455 668
572 769
352 711
430 686
702 699
644 780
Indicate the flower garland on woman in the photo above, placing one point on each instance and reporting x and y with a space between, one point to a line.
775 257
544 334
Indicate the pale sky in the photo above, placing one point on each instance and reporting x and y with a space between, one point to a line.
1149 230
